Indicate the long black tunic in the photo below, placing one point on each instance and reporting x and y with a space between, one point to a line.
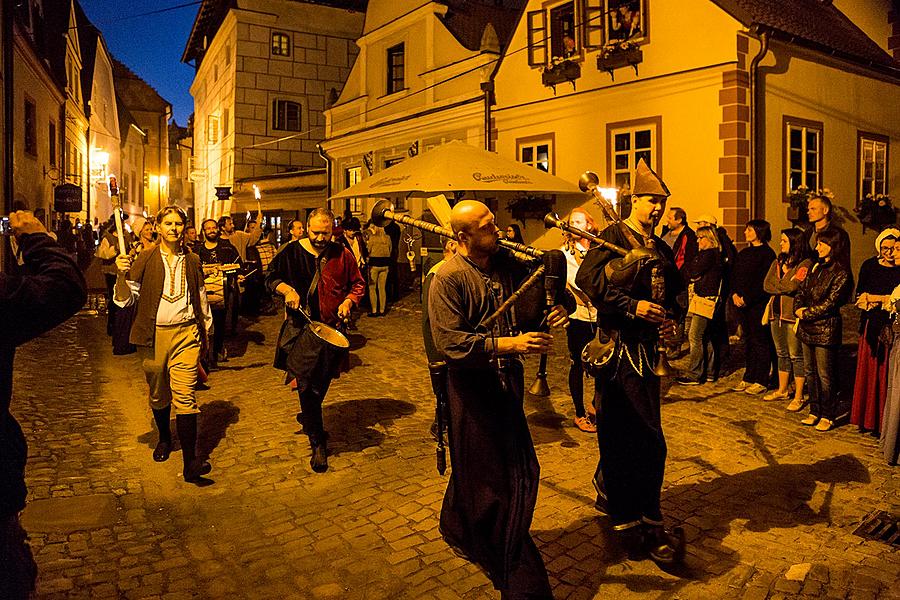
490 499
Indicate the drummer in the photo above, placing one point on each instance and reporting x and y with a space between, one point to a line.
320 277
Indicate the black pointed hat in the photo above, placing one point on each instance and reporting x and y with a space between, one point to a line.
648 183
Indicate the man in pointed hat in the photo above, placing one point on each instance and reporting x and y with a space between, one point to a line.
635 296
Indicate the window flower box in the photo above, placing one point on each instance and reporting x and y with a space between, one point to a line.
876 213
616 56
561 72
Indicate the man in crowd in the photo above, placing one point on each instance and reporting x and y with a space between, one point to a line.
821 217
683 242
241 239
320 277
46 292
635 307
490 499
297 230
215 252
190 236
170 327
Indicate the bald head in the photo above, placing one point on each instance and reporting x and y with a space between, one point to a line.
476 232
466 215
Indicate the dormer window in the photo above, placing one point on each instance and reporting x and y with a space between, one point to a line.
396 58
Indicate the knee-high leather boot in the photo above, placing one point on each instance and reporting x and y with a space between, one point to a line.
194 468
163 448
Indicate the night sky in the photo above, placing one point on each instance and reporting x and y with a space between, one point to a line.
151 45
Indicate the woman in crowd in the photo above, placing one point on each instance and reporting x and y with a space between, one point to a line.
581 322
514 233
750 299
890 420
817 305
705 274
783 280
878 276
380 245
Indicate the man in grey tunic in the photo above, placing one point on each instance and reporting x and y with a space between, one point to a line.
490 499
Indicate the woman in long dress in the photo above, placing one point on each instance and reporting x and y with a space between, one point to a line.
878 276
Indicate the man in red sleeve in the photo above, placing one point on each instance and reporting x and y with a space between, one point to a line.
321 277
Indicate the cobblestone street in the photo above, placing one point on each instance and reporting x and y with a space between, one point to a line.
769 506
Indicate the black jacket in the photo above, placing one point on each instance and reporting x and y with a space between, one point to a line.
706 273
47 290
826 288
809 240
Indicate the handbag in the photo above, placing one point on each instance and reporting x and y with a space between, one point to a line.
704 307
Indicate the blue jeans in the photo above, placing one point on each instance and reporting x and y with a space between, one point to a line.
702 360
787 347
822 380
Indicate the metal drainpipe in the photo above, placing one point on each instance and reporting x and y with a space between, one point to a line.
488 87
754 105
327 160
8 107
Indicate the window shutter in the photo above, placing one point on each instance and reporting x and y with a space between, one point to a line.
593 24
537 38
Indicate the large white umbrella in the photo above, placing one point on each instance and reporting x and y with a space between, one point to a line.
458 167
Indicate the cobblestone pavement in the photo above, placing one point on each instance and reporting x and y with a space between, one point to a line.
769 506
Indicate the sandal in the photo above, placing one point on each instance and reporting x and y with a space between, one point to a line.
585 425
796 405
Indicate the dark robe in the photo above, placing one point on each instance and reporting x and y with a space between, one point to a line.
490 499
629 431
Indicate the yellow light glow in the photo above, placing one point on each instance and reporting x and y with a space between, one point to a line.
611 194
163 180
99 157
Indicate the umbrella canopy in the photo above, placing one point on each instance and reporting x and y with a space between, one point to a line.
458 167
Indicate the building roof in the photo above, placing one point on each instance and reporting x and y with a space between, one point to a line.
126 120
134 92
814 23
467 19
212 12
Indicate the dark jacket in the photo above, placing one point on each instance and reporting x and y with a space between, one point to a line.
684 249
809 239
750 271
148 270
47 290
823 292
706 272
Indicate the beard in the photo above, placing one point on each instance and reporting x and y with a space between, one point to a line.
318 245
211 237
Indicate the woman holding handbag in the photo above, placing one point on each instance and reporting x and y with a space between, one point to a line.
706 309
783 280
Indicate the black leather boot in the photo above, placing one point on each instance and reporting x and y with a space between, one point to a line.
194 468
164 445
319 459
665 547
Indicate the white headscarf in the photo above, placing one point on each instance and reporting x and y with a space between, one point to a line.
890 231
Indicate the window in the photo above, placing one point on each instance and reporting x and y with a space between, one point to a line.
625 20
395 59
400 201
212 129
226 113
803 148
30 127
51 137
537 152
563 29
281 44
629 142
285 115
352 176
227 54
873 161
